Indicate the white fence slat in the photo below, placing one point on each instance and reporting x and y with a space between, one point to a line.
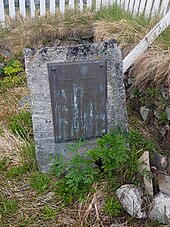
98 5
105 3
155 7
136 7
22 8
89 4
148 8
142 6
71 4
131 5
118 2
126 4
62 6
164 6
42 7
52 7
146 42
2 13
32 8
112 2
12 9
81 5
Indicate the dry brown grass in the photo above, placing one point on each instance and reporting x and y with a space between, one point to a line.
44 30
127 34
9 102
87 213
9 147
152 67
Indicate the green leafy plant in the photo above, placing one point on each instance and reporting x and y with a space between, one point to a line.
14 75
58 168
116 154
39 182
14 81
113 207
112 151
21 124
81 174
13 68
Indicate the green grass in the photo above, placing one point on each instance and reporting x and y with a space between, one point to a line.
49 213
27 164
40 182
115 13
16 172
3 163
113 207
21 125
8 206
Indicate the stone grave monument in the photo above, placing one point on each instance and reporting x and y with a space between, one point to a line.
76 92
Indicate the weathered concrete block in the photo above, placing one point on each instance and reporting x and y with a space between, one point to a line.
38 81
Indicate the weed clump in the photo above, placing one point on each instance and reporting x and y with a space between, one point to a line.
116 154
21 125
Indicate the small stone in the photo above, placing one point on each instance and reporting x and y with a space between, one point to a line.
144 168
117 225
164 92
144 112
160 209
163 130
57 42
156 114
130 81
168 112
26 100
161 162
130 198
164 183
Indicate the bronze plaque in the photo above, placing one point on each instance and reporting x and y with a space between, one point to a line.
79 99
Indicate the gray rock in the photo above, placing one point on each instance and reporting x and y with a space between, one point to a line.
144 167
117 225
160 209
164 183
161 163
130 198
156 114
165 92
144 112
168 112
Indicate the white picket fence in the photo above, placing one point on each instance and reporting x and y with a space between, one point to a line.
135 7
